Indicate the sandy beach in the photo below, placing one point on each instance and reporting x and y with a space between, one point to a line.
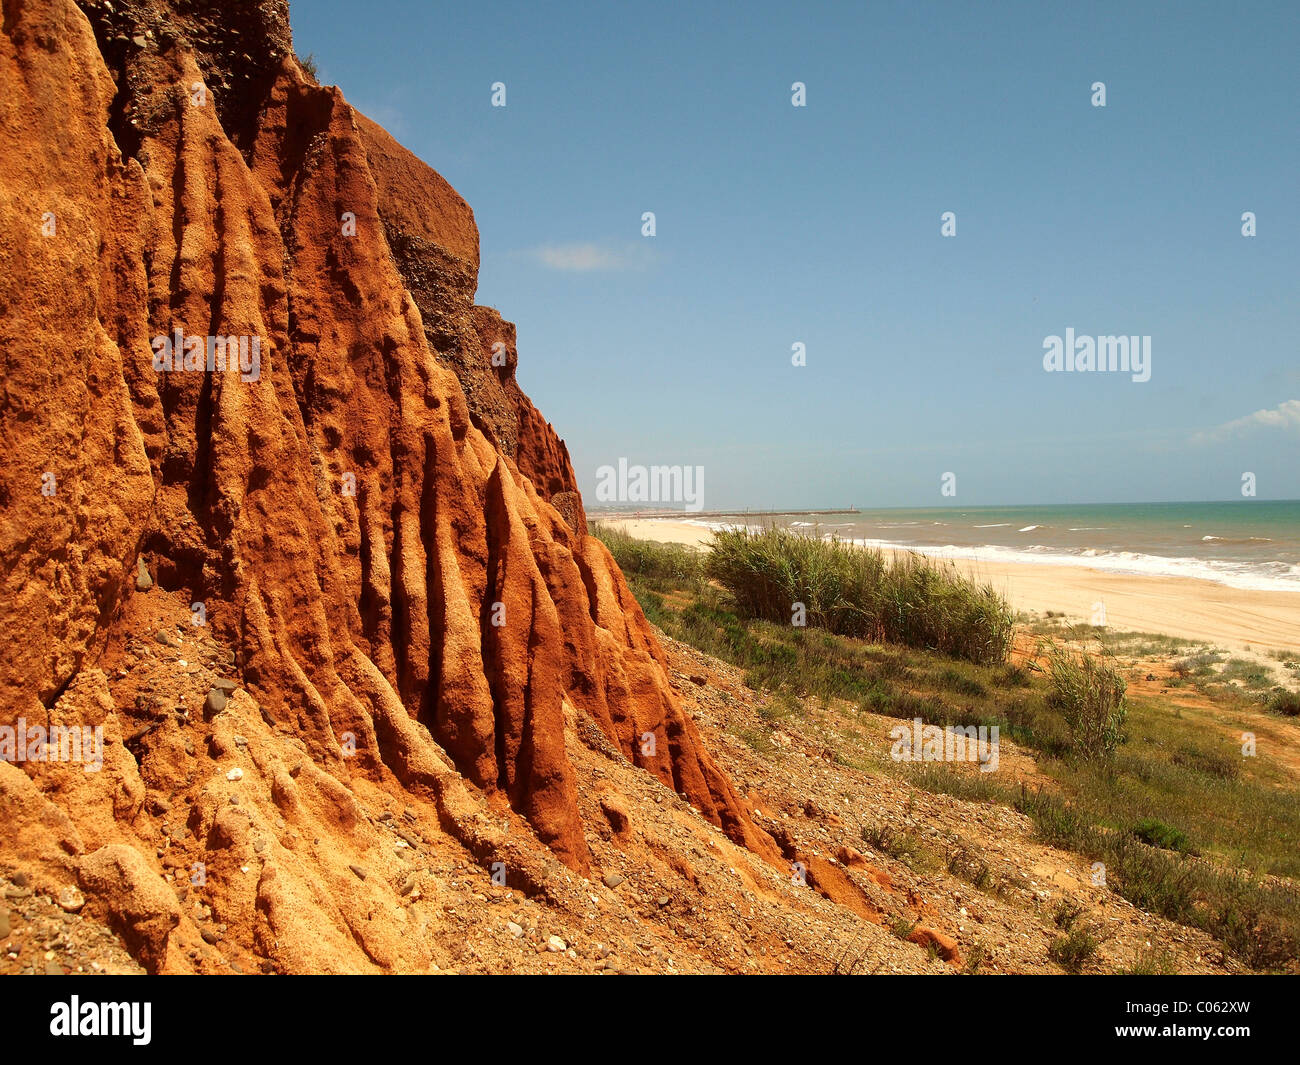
1230 618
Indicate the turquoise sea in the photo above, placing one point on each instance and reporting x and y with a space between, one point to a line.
1247 544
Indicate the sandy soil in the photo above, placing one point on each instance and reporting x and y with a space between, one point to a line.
1231 618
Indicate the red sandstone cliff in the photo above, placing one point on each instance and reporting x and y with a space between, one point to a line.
380 524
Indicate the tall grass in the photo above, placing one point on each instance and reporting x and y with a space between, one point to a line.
852 591
1089 694
661 564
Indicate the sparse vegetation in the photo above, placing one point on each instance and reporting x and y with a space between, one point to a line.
1248 674
902 928
964 863
900 846
1257 919
756 740
1197 665
943 779
975 959
1286 703
1065 913
1175 770
1150 961
1072 950
1155 832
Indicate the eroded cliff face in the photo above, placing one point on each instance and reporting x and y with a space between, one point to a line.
369 516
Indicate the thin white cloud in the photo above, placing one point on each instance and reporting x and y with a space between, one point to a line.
1285 416
589 257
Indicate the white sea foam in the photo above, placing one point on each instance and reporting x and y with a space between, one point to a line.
1257 576
720 526
1267 576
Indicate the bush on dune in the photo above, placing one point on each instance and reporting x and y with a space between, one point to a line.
1090 694
1285 702
853 591
670 563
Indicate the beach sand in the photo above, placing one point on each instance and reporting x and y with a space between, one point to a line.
1232 619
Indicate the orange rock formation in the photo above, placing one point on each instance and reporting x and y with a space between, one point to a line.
377 520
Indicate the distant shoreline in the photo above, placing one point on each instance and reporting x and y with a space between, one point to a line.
1186 607
652 514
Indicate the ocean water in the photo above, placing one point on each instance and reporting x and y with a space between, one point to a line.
1250 544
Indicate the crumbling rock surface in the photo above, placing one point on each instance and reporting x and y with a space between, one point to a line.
373 517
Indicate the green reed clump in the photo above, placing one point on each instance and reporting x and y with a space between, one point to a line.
853 591
1089 693
662 564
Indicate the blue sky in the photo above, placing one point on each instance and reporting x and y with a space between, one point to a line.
821 225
